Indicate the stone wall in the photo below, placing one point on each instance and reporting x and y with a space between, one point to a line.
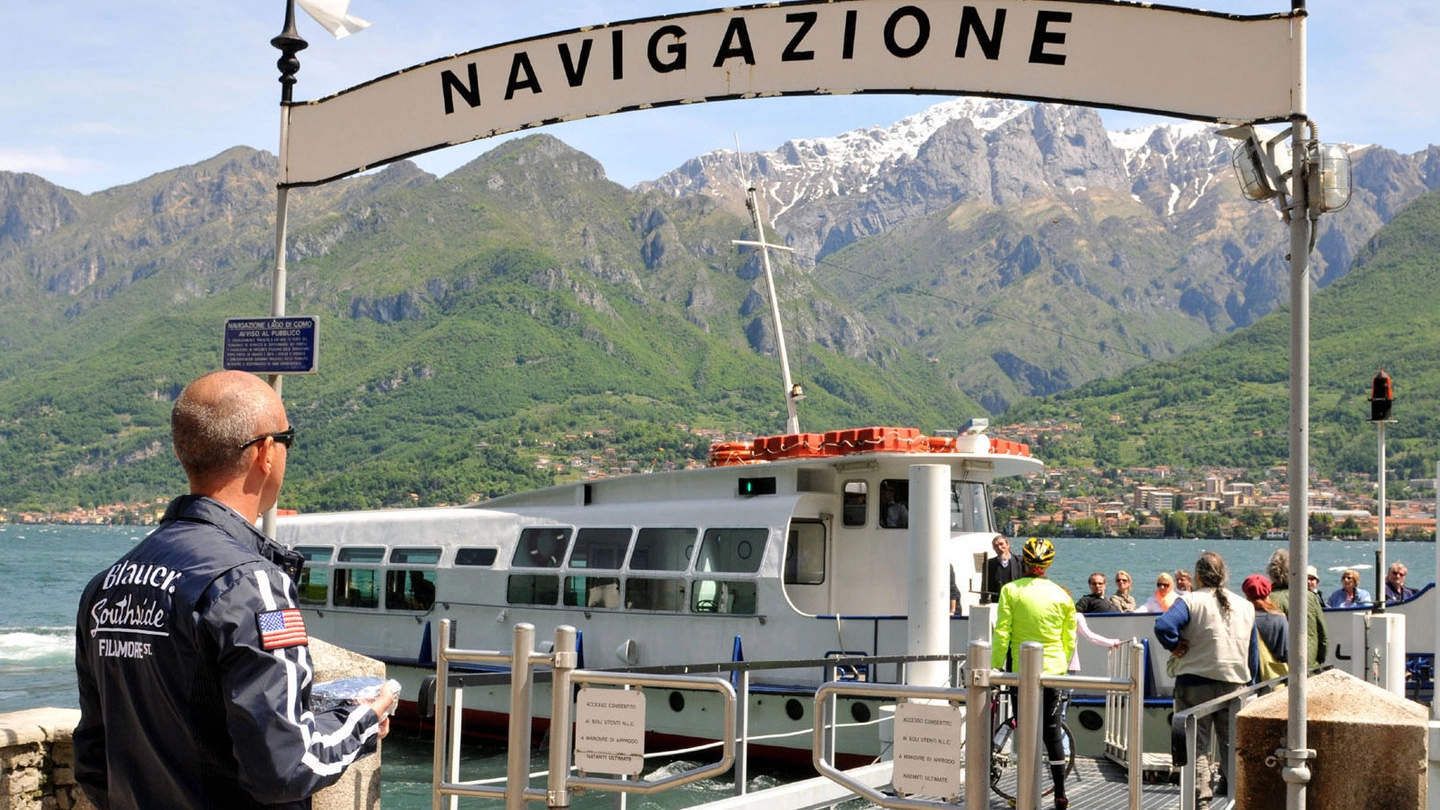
37 761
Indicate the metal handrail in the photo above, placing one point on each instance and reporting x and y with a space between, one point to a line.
978 732
522 660
1189 720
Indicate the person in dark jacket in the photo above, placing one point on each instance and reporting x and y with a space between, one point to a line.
1000 569
1095 601
1317 634
192 660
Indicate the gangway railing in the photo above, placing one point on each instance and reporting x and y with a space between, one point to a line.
1185 727
560 784
978 732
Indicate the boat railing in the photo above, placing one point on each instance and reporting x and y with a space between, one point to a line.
976 696
736 676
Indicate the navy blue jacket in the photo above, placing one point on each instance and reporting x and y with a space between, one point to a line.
195 680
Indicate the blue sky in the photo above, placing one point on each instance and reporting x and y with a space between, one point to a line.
102 93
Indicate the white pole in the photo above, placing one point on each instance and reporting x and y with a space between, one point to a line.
1380 505
752 201
929 597
1296 771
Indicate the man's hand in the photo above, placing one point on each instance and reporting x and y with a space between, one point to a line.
384 706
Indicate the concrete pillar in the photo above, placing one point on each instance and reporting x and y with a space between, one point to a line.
1370 747
359 788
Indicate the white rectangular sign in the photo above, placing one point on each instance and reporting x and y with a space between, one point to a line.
927 750
610 731
1183 62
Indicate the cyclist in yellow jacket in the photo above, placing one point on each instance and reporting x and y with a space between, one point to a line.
1033 608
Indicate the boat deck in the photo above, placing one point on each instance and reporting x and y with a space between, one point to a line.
1101 784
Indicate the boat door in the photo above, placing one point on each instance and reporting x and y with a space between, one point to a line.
805 562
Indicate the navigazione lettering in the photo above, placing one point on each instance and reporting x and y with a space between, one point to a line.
904 33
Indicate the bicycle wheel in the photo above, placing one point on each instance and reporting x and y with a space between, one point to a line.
1004 761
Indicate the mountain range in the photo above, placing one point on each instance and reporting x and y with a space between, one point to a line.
962 260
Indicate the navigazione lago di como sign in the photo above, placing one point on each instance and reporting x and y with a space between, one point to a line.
1176 61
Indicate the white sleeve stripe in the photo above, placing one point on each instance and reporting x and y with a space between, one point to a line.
304 723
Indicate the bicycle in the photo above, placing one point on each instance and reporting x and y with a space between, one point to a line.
1004 759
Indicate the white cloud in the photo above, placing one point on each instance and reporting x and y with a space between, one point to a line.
44 162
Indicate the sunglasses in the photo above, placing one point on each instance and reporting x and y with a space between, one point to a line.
285 437
1162 584
1122 579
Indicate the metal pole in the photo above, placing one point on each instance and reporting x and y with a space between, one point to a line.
1380 506
1027 725
1296 771
742 743
1135 749
562 671
522 688
752 201
978 733
442 677
289 43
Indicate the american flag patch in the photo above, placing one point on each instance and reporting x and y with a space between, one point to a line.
281 628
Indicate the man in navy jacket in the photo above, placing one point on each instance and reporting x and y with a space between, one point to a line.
192 659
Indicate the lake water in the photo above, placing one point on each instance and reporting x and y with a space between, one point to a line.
45 567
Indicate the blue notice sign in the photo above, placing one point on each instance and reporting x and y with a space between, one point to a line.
272 345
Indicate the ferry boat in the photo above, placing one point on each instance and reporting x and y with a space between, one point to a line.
783 548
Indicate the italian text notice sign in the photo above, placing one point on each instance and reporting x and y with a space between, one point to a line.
272 345
927 750
610 731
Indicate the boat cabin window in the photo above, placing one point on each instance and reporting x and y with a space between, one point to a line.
541 547
358 587
532 589
662 550
414 556
805 554
736 551
602 549
969 507
409 590
723 596
314 584
895 503
852 503
482 557
646 593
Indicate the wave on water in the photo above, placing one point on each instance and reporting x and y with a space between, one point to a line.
36 645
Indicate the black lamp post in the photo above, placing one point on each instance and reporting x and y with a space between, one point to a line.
1381 399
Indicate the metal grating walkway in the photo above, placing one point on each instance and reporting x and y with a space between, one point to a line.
1099 784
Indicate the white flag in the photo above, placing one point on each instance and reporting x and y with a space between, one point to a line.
334 16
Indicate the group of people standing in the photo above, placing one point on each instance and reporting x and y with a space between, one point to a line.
1219 640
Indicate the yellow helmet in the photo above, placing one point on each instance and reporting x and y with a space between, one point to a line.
1038 553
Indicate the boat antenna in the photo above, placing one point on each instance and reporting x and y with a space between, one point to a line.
793 391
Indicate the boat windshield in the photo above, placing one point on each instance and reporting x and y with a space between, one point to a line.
969 508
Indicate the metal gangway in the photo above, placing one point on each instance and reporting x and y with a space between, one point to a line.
1113 780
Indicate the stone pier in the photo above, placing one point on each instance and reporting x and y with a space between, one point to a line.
1370 747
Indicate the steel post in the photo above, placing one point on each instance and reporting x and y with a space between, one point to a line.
522 688
1027 725
978 732
562 669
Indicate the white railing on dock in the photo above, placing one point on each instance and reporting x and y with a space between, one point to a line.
976 698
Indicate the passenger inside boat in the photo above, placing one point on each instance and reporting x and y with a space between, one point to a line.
894 513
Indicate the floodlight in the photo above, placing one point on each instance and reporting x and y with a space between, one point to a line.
1330 180
1254 167
974 427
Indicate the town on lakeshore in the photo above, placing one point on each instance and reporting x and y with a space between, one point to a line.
1160 501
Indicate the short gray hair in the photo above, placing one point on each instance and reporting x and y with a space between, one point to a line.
208 435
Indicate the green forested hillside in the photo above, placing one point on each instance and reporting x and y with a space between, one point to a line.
463 322
1229 404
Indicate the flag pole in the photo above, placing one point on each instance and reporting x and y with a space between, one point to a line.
289 42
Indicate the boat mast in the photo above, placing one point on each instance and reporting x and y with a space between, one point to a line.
793 392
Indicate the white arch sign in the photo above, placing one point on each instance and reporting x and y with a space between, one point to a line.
1182 62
